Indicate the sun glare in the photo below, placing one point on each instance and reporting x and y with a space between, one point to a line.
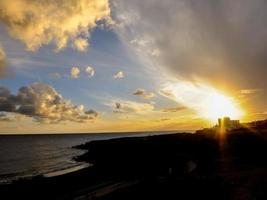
208 102
217 105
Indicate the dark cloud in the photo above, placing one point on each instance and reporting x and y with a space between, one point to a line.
7 100
92 112
117 105
43 103
139 92
132 107
222 42
118 108
143 93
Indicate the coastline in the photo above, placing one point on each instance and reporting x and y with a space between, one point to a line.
24 164
154 165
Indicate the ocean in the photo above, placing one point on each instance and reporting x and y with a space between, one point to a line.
25 156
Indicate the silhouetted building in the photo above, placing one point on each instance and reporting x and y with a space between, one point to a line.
228 124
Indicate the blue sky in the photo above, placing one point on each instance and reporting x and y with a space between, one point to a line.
107 55
175 67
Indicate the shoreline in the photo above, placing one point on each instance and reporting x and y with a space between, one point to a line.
153 165
9 178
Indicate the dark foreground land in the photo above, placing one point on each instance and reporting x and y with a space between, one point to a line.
176 166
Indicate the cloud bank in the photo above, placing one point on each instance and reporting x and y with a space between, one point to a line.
37 23
43 103
222 42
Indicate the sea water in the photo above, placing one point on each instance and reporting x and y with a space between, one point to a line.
25 156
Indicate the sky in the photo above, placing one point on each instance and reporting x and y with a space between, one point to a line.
105 66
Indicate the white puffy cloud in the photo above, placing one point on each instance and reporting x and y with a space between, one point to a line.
75 72
124 106
119 75
43 103
37 23
143 93
90 71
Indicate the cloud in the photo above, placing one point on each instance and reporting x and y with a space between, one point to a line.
168 93
203 99
124 106
38 23
161 120
4 117
250 91
144 94
119 75
43 103
90 71
117 105
174 109
74 72
144 43
81 44
139 92
164 119
217 41
261 113
92 112
2 63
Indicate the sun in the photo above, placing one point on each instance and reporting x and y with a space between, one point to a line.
208 102
217 105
